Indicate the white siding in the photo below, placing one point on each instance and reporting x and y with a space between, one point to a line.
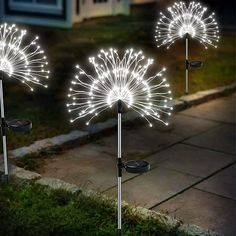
89 9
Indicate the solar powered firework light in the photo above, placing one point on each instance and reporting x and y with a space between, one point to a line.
187 21
120 81
24 60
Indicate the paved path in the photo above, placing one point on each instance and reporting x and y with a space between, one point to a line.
193 173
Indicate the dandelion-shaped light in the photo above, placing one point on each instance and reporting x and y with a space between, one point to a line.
22 58
187 21
192 20
120 78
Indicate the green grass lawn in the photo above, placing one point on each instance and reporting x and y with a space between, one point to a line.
65 48
33 210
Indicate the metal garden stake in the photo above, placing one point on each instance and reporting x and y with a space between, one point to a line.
120 81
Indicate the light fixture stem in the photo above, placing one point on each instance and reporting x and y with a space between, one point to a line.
119 169
187 64
3 130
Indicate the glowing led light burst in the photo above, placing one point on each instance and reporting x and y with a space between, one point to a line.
181 20
120 78
21 58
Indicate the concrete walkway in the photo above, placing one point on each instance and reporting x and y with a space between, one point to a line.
193 166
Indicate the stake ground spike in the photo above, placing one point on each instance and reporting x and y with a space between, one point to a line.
23 60
189 64
187 21
3 132
120 81
119 168
186 63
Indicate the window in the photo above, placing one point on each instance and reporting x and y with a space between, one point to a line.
39 6
99 1
47 2
24 1
77 7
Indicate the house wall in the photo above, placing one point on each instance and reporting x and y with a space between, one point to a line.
89 9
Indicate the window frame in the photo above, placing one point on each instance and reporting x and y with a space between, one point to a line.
36 7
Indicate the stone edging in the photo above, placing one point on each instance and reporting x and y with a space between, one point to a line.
167 221
179 104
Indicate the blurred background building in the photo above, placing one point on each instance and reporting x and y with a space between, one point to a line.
60 13
64 13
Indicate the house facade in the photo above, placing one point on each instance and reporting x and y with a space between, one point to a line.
59 13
